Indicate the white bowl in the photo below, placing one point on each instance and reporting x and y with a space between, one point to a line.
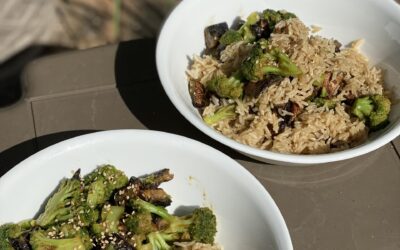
377 21
247 216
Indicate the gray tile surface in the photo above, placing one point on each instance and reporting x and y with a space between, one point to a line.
95 110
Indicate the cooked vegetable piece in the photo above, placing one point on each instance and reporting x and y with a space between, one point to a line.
140 222
40 241
61 204
110 220
226 112
379 118
153 180
362 107
225 87
259 64
231 36
198 94
374 109
199 226
319 101
253 89
102 183
213 33
146 187
273 17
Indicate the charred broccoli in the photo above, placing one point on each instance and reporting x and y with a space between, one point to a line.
260 63
40 241
225 87
229 37
374 109
157 241
226 112
60 206
5 237
140 223
320 102
200 226
273 17
110 220
102 182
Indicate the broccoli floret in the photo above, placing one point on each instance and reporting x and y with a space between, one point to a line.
40 241
70 231
86 215
273 17
102 182
229 37
324 102
374 109
5 242
110 220
225 87
258 64
59 207
226 112
14 234
200 226
362 107
157 241
379 118
140 223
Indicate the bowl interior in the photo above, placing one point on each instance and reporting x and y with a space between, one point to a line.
346 21
203 177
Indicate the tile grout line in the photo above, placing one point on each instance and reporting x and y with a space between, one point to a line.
395 149
34 127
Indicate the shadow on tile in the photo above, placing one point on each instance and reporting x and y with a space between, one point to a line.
139 86
14 155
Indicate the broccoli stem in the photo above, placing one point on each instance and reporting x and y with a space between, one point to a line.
226 112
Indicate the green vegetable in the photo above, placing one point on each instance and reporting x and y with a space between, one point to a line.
140 223
226 112
200 226
157 241
273 17
231 36
324 102
374 109
40 241
225 87
60 206
259 64
102 183
110 220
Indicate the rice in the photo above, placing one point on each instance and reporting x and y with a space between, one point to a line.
195 246
315 130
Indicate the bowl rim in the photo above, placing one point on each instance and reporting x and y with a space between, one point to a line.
164 39
152 135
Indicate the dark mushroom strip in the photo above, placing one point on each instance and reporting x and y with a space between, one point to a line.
198 94
293 108
253 89
333 85
156 196
338 45
153 180
213 33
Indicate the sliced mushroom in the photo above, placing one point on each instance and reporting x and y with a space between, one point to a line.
253 89
213 33
338 45
333 85
198 94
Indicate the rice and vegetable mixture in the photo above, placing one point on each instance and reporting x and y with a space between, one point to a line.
266 82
